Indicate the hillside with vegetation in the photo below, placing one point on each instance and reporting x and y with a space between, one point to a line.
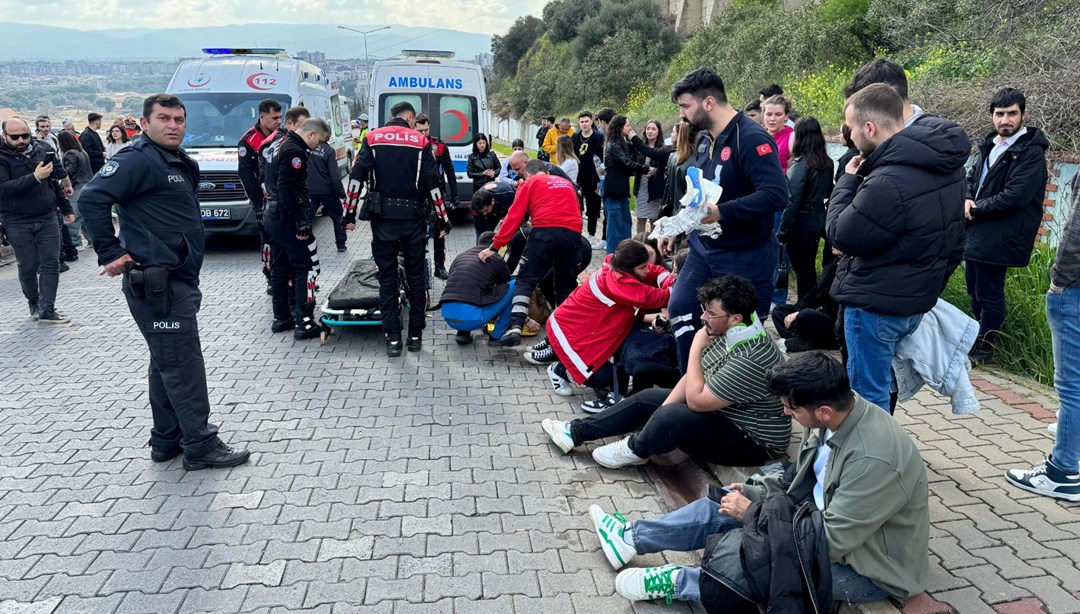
626 54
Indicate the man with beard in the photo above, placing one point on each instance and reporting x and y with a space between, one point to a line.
735 152
1004 209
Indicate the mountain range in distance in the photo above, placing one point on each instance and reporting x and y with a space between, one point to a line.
36 42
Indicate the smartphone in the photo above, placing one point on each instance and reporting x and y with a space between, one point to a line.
717 492
50 157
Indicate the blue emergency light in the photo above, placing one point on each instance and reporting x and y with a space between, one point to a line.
242 51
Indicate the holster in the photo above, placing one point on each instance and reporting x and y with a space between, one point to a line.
273 209
370 207
152 285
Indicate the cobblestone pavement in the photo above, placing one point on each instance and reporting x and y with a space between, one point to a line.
420 484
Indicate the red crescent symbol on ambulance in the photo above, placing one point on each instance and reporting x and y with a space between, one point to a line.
464 125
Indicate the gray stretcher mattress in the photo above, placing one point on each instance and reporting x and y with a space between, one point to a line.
359 289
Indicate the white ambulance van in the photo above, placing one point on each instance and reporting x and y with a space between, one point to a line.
222 92
452 93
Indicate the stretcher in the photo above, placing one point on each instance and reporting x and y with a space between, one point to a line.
354 301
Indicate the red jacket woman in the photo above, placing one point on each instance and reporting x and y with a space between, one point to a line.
588 327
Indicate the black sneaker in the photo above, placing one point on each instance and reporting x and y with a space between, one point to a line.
305 329
543 356
413 344
280 326
463 337
393 348
600 403
794 344
511 337
70 257
981 353
35 312
341 249
220 457
269 290
440 272
538 347
51 317
64 268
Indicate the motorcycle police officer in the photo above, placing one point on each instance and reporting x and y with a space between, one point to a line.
288 222
247 166
154 184
396 165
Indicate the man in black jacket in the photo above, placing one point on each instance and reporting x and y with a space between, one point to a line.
91 142
477 292
896 215
446 169
327 189
248 167
1004 209
288 222
30 195
160 253
396 166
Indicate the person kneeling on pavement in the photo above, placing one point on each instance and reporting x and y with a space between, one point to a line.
850 520
476 292
587 329
722 411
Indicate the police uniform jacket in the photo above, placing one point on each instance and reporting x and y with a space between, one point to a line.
396 162
446 166
286 179
154 190
24 199
247 164
745 157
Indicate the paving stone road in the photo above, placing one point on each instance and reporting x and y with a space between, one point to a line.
420 484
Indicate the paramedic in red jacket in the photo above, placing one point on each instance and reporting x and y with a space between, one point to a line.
586 330
554 243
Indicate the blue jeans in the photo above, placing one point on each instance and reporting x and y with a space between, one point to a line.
687 529
1063 316
466 317
617 221
871 341
758 264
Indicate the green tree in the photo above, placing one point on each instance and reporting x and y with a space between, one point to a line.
642 16
508 49
564 17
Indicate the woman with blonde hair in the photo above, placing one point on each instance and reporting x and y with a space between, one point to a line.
565 157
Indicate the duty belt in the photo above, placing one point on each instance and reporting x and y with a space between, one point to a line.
392 208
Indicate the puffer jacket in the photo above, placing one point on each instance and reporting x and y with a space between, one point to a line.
611 298
781 549
1009 205
900 220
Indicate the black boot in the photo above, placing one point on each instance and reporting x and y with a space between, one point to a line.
220 457
463 337
393 346
306 326
283 319
440 272
413 344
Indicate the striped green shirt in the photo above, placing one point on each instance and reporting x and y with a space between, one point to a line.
734 366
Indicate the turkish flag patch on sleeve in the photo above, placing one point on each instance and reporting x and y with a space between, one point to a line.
764 149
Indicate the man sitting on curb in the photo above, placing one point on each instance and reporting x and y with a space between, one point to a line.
857 466
721 411
477 291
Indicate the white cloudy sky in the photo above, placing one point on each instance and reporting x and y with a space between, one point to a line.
481 16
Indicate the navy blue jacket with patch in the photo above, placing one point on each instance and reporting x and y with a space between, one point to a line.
154 190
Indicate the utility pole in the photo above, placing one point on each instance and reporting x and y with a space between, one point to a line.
367 59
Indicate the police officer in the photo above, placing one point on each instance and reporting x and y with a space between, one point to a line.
288 222
397 167
446 168
160 253
247 166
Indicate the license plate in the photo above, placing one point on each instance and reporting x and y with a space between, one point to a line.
216 214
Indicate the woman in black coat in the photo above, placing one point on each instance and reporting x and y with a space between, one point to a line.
810 181
483 165
619 167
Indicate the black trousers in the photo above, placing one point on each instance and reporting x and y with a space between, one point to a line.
67 244
986 287
705 436
547 248
593 207
179 400
332 209
803 257
37 248
811 325
293 260
266 251
654 375
388 239
440 249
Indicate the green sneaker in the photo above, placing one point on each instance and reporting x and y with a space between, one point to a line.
610 529
648 583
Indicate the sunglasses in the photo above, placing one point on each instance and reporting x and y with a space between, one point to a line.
19 137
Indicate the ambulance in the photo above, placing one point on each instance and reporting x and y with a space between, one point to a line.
222 92
452 93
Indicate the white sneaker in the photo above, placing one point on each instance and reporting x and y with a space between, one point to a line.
563 387
1052 429
601 244
558 432
1048 480
648 583
610 529
617 455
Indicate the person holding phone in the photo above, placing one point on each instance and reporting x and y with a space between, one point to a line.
30 194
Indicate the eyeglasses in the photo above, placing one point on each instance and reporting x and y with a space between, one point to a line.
19 137
706 316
